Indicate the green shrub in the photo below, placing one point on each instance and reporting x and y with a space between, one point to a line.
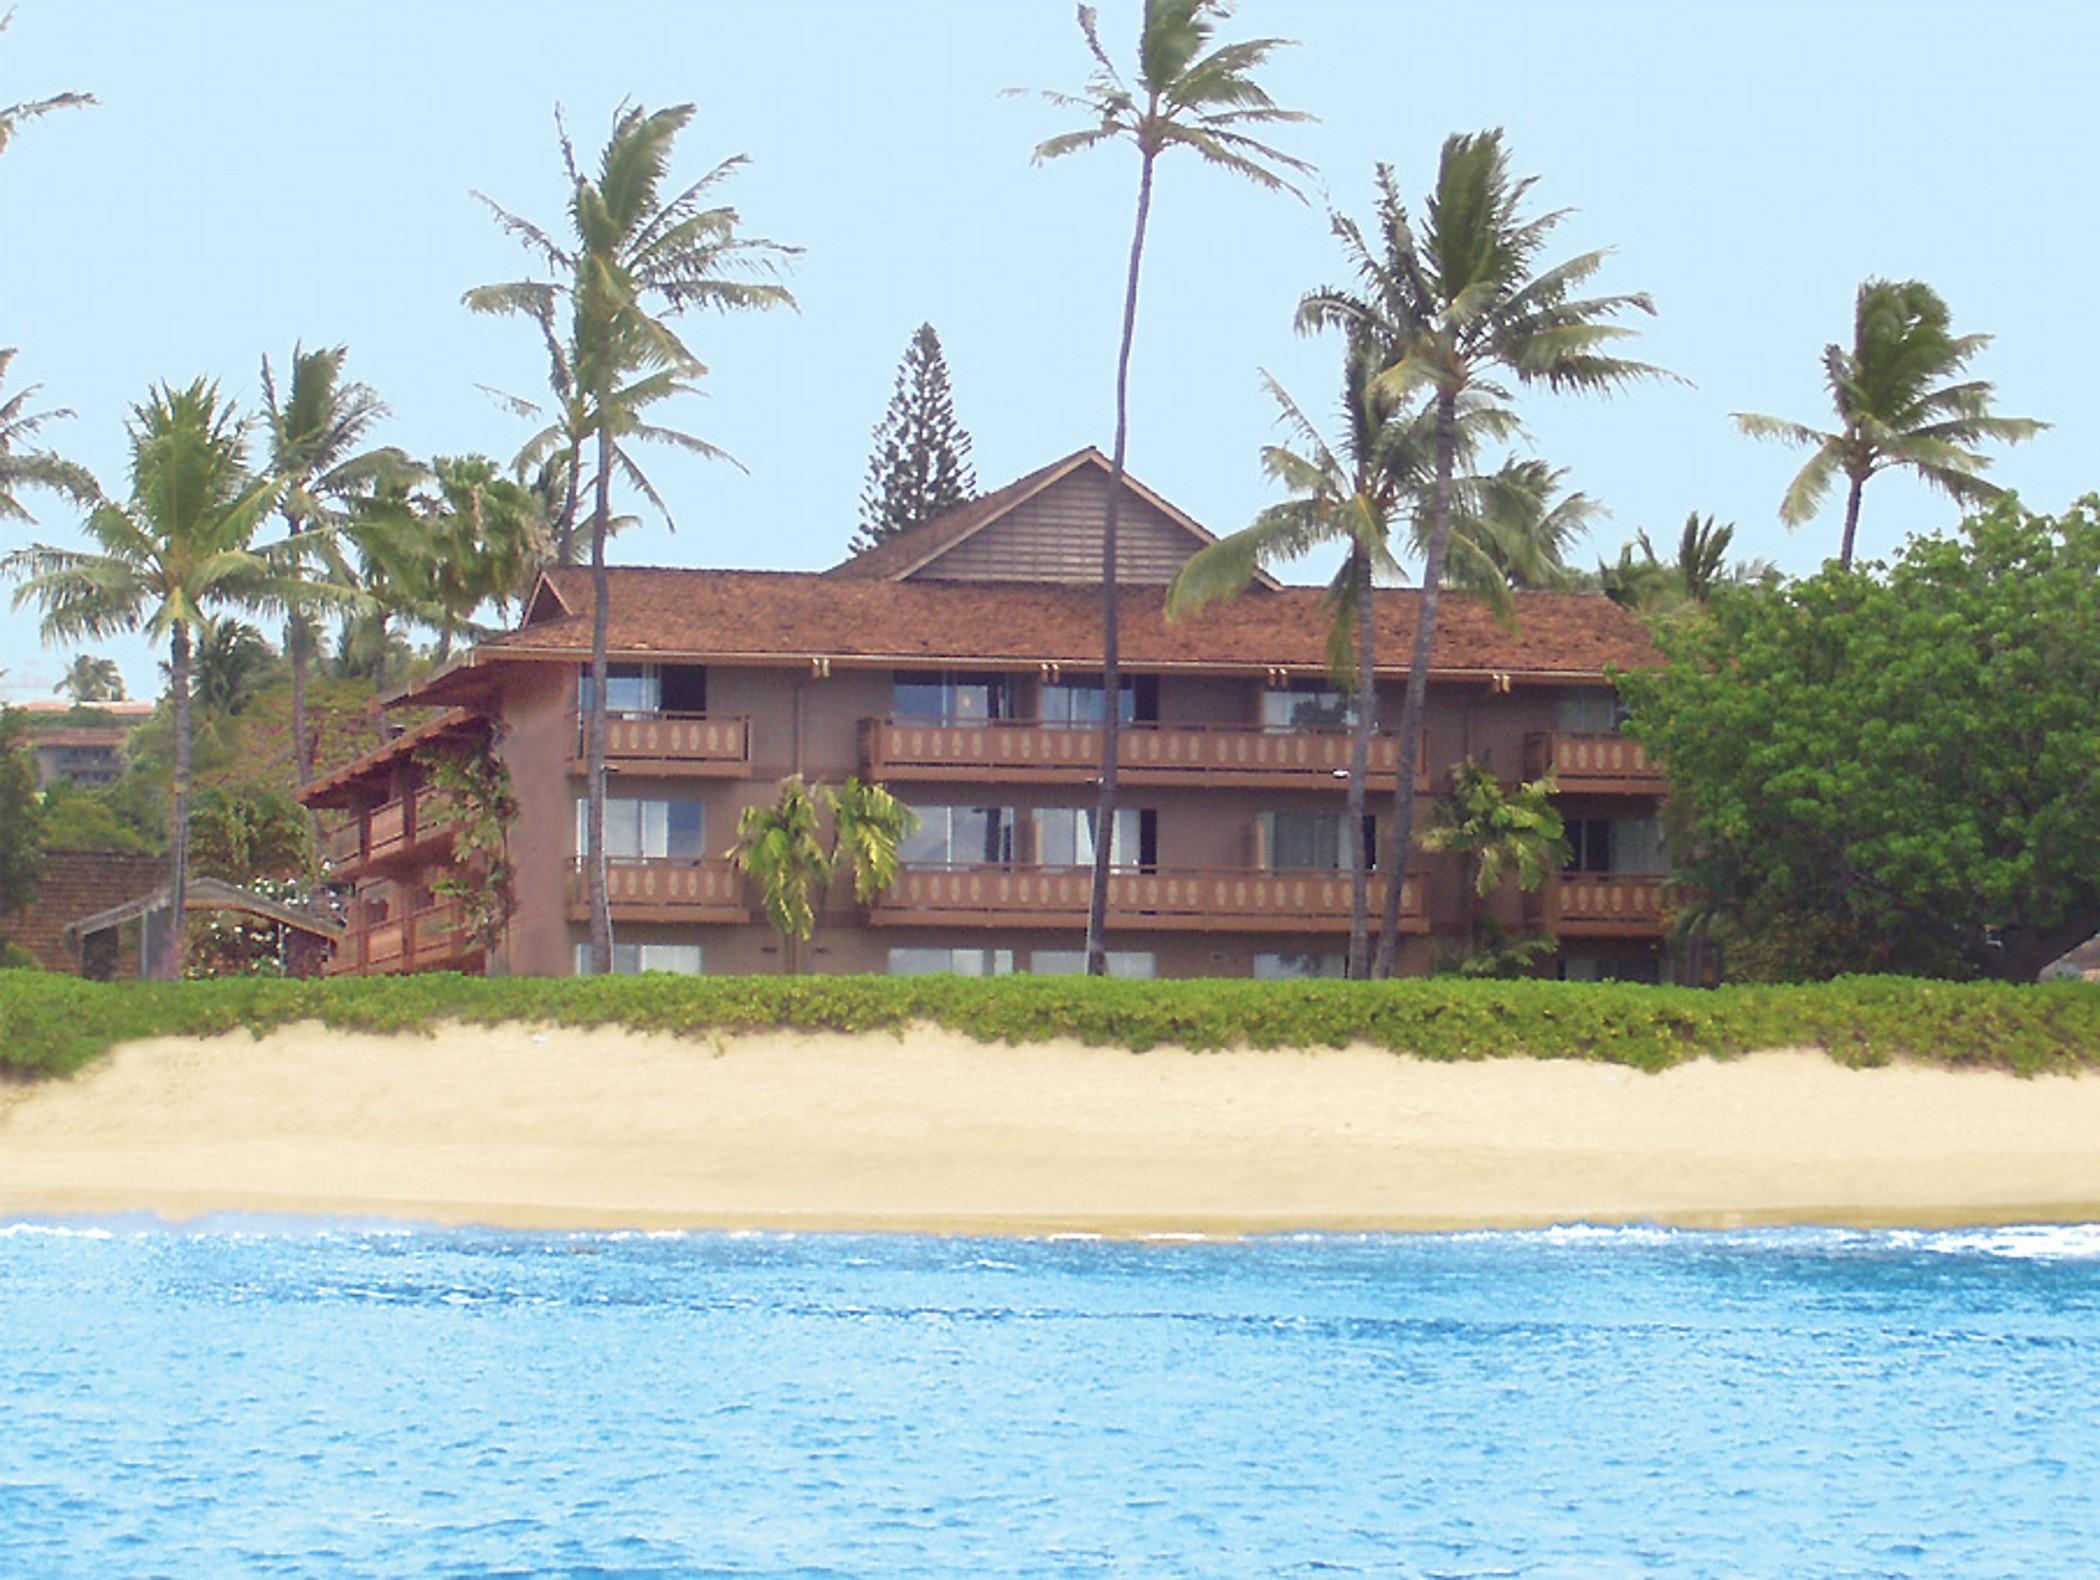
51 1024
13 957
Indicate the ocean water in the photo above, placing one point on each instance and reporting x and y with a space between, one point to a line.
271 1398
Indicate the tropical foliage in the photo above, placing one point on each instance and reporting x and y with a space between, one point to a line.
162 562
1498 834
22 466
480 804
13 117
1899 767
21 850
782 849
920 467
89 679
1450 312
1185 94
603 310
1900 401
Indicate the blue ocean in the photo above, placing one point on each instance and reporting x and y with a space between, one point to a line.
273 1398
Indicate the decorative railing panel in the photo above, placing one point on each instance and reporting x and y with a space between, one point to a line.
1176 899
1600 905
677 743
674 889
1606 762
1159 753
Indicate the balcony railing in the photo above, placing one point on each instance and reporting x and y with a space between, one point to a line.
1600 764
1599 905
431 939
1036 751
668 889
1184 899
681 744
392 828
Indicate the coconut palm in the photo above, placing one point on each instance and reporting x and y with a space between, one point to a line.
781 848
27 468
485 540
634 263
1186 95
316 438
15 116
89 680
1514 528
1346 496
1454 311
182 546
1895 408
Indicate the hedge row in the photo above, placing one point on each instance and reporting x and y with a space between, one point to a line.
52 1025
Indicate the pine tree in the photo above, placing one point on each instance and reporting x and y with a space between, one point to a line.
921 465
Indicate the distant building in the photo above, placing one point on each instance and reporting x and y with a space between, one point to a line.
959 664
71 743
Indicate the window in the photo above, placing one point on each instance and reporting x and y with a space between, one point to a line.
960 836
1316 840
1298 968
1078 702
629 688
645 830
631 959
1131 963
1302 707
1631 845
951 699
958 962
1064 837
1589 713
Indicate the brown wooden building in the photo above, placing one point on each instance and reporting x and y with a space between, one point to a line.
959 665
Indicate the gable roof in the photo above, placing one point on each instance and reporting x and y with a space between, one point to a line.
908 552
791 617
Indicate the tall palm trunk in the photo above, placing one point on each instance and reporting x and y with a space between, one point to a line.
1360 768
1859 483
169 966
596 863
1399 844
565 527
1111 666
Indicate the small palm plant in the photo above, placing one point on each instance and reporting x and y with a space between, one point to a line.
1895 408
89 679
1187 95
781 848
1498 834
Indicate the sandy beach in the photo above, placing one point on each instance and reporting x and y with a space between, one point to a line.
524 1127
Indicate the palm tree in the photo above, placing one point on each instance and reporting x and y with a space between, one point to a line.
1513 528
635 262
1452 313
1187 95
23 468
13 116
90 680
182 545
485 542
1894 408
781 848
1348 498
315 434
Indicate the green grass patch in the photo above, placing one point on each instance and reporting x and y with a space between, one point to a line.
53 1025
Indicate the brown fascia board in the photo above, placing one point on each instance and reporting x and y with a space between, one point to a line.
921 661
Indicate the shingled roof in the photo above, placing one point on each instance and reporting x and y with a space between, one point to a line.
787 616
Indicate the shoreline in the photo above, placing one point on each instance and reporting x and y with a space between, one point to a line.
517 1127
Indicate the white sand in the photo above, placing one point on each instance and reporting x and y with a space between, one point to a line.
551 1129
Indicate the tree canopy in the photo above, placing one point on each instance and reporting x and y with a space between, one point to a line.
920 467
1900 765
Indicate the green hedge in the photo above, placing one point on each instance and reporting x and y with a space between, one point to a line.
52 1025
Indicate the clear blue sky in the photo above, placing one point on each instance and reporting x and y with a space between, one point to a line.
261 174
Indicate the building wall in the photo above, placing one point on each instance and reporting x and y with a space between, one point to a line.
1056 537
812 725
77 884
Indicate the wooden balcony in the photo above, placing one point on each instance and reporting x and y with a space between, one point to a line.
432 939
666 890
1015 751
1606 764
676 745
1186 899
1600 905
410 825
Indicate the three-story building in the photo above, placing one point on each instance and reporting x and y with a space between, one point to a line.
959 664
